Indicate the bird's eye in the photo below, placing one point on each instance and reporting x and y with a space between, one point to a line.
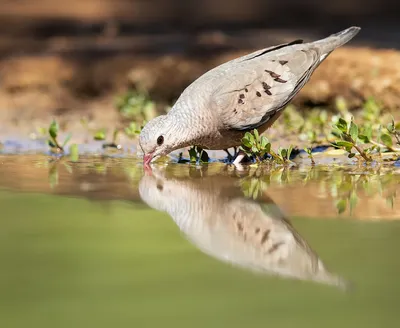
160 140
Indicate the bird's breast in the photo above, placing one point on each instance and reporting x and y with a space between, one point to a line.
224 139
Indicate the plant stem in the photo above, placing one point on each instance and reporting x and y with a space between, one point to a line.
274 155
58 146
384 146
362 153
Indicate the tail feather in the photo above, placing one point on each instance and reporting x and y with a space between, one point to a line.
336 40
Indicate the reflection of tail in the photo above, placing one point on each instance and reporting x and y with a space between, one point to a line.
324 275
334 41
319 270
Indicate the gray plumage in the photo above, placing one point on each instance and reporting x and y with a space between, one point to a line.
249 92
213 214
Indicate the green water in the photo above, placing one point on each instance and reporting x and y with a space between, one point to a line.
81 260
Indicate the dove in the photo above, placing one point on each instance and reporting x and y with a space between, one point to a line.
214 215
250 92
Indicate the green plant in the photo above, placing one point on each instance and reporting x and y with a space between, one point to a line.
349 134
198 155
308 150
101 135
394 130
283 155
74 153
253 187
254 145
55 146
136 106
133 129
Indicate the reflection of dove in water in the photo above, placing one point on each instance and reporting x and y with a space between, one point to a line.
215 216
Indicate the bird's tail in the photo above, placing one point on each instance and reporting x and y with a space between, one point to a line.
336 40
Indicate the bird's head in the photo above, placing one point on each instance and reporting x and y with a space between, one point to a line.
159 137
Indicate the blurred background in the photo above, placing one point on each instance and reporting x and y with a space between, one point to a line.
40 26
59 58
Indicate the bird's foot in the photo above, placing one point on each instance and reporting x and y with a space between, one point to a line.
239 158
230 156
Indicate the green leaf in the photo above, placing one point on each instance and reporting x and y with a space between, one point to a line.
353 201
353 130
193 155
68 167
99 135
341 205
368 132
53 129
390 201
346 144
67 139
264 142
390 127
387 140
42 131
289 151
246 143
74 153
53 176
397 126
342 125
256 135
249 137
363 138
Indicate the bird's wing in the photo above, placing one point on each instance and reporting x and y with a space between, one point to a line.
255 87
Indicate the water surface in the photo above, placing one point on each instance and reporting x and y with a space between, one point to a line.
97 243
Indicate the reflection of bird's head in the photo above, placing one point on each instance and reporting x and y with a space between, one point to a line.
155 192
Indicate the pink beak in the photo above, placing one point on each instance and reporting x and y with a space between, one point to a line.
147 159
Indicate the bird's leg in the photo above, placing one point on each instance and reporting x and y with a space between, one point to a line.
235 151
230 157
239 157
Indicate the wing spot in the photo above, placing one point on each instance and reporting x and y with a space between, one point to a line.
265 236
275 247
240 101
235 111
275 76
280 80
257 230
246 90
241 96
239 225
283 62
266 88
258 94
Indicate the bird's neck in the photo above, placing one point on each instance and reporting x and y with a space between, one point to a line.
190 123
